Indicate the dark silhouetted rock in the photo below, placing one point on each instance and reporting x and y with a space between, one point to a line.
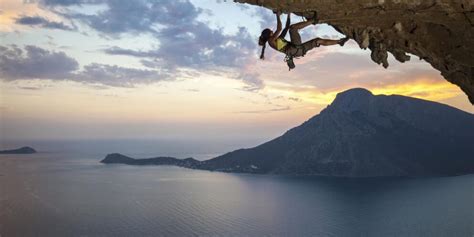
359 135
362 135
116 158
23 150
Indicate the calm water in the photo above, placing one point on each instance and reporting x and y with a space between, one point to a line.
66 192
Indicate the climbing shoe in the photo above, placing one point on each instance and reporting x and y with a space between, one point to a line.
290 63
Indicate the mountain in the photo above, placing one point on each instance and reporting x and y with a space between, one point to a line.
364 135
22 150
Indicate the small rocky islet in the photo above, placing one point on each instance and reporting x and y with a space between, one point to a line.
22 150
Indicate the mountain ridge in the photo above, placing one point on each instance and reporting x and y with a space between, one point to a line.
363 135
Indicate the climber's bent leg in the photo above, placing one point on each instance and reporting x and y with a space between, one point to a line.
311 44
327 42
300 25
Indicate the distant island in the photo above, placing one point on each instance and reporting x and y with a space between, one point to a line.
117 158
358 135
22 150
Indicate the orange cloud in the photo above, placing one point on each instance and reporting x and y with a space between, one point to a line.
12 9
427 90
423 88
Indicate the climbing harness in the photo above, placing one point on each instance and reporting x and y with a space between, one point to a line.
292 55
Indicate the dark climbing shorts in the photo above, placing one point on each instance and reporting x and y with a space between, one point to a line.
298 49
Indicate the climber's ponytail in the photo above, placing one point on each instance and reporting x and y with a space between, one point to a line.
262 41
262 54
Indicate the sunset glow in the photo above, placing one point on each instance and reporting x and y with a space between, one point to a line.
115 76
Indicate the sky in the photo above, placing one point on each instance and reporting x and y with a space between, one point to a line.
100 69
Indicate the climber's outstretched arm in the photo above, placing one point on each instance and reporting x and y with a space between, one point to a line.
287 27
277 32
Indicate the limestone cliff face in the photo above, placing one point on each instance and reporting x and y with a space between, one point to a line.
440 32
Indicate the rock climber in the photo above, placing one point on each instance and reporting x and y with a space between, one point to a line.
293 48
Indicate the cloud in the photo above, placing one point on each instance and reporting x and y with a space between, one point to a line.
325 71
68 2
195 45
32 88
124 16
34 63
185 42
296 99
118 76
252 81
42 22
265 17
340 69
329 68
286 108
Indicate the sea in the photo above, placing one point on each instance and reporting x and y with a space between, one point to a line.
64 190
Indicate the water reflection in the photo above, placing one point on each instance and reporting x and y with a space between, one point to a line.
59 195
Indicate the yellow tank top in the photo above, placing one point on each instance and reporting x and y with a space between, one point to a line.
281 43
